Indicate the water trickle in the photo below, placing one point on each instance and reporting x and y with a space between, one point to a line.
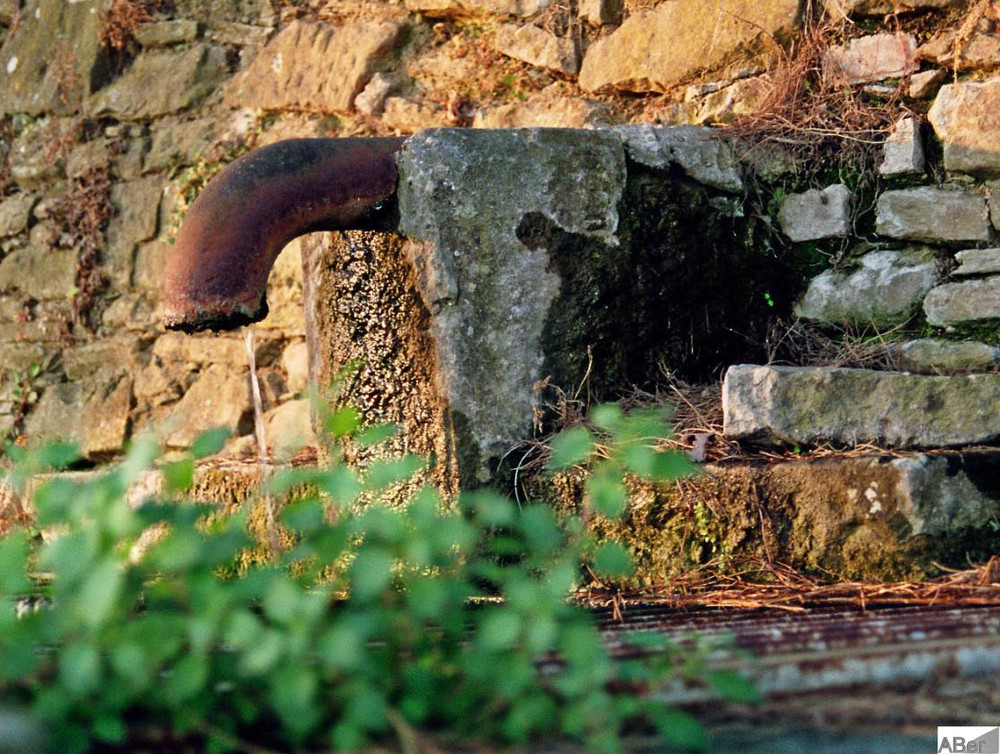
258 421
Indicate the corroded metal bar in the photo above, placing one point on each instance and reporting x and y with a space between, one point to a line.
216 276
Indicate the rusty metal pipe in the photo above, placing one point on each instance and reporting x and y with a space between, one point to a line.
216 275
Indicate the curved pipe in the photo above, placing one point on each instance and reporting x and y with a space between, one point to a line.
216 275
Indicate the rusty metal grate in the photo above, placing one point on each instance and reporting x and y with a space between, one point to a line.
824 647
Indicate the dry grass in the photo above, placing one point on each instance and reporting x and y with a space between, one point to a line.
754 584
804 344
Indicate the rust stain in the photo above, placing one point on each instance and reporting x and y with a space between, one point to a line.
216 277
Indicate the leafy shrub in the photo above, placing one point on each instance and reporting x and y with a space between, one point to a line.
378 622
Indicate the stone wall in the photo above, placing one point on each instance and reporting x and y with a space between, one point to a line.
102 147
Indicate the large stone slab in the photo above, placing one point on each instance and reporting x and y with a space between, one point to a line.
884 291
659 48
932 214
936 356
968 301
977 262
162 81
805 405
966 117
53 60
904 150
315 67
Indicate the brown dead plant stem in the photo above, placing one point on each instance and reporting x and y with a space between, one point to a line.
120 20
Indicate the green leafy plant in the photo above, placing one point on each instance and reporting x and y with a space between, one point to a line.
445 618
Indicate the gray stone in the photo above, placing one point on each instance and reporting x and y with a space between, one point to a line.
162 81
445 8
88 156
17 357
935 356
285 74
39 272
957 50
964 118
656 49
538 47
219 397
932 214
872 58
166 33
601 12
816 213
977 262
700 152
177 142
465 230
137 205
840 9
941 495
993 201
295 360
288 429
33 161
742 97
53 60
214 349
83 361
371 101
15 212
884 291
106 418
925 83
904 150
970 301
805 405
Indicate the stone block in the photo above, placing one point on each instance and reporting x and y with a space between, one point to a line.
106 419
219 397
406 116
88 156
935 356
805 405
214 349
239 35
884 291
83 361
904 150
925 83
258 12
285 74
700 152
371 101
39 272
969 301
53 60
965 50
458 8
137 205
872 58
932 214
166 33
840 9
295 360
536 46
33 163
288 429
656 49
15 212
742 97
816 213
601 12
977 262
177 142
964 118
547 111
182 78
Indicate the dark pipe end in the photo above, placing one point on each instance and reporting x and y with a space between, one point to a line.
217 273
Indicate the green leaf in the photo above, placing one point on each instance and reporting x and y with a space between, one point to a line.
612 561
670 465
607 416
606 491
342 647
14 550
59 455
210 442
370 573
382 474
376 433
499 629
293 697
178 476
110 729
343 422
99 593
80 669
187 679
733 686
570 448
679 729
282 599
341 484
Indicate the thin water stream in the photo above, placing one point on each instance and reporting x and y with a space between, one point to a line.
263 459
